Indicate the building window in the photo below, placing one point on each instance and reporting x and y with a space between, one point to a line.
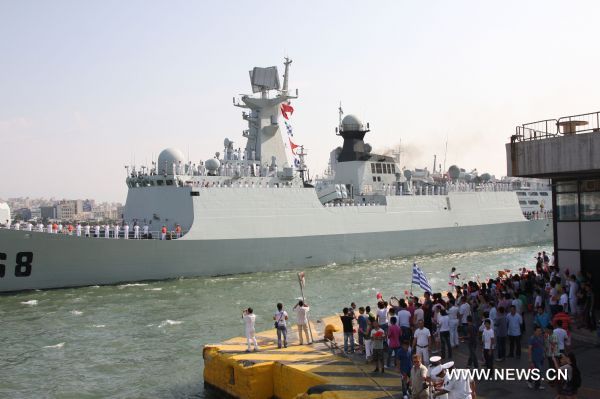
378 178
393 168
521 193
534 202
374 178
566 187
567 207
372 168
378 168
523 202
590 205
543 193
533 194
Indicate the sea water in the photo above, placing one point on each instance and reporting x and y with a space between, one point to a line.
144 340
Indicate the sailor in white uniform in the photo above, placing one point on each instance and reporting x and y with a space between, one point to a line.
78 229
126 231
17 226
97 230
50 228
116 231
87 230
41 227
106 231
136 232
145 231
29 226
60 227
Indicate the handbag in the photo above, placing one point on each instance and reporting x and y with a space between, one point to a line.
278 320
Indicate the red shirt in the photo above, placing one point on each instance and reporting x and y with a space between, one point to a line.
394 333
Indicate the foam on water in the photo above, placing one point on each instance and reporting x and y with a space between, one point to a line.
57 346
169 323
153 289
31 302
132 285
76 312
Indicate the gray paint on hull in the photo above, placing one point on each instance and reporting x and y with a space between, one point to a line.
65 261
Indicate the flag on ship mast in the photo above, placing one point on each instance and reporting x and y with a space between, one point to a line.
419 278
285 108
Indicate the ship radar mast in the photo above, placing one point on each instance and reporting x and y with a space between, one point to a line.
264 137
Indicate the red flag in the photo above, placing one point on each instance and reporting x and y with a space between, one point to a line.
293 146
285 108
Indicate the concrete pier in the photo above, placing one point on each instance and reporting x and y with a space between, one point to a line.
296 372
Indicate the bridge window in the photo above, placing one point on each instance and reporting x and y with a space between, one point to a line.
372 168
378 168
533 202
543 193
523 202
533 194
160 182
169 182
521 193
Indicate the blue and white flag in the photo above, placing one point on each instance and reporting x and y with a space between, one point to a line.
289 128
419 278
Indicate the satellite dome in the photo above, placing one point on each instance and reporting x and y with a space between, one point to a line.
486 177
167 158
212 165
407 174
352 123
368 148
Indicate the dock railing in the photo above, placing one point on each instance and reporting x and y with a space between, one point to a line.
563 126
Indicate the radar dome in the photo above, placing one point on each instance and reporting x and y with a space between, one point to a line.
212 165
368 148
454 172
407 174
352 123
486 177
167 158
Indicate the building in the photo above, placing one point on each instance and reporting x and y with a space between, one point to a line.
69 209
48 212
567 151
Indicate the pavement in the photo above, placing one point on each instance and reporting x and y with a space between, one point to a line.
584 345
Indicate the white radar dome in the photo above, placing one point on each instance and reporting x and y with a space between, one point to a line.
167 158
212 164
352 123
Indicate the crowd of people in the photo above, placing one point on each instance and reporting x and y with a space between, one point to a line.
418 337
487 318
117 230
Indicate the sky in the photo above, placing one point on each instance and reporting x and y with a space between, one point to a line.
87 87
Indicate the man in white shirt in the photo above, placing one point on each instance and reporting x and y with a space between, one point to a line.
458 387
87 230
561 336
126 231
421 340
17 226
453 322
489 341
41 227
464 311
403 317
29 226
563 302
97 231
78 230
116 236
145 231
106 231
280 318
136 232
249 321
419 314
302 320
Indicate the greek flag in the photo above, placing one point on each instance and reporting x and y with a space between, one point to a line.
419 278
289 128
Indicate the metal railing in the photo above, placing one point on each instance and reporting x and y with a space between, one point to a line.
151 235
549 128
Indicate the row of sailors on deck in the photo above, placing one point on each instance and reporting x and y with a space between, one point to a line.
99 231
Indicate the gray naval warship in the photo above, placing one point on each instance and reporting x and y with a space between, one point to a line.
254 209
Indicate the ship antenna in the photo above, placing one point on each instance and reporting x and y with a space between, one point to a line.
445 152
286 75
341 112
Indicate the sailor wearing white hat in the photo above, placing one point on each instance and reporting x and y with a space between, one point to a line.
457 386
437 374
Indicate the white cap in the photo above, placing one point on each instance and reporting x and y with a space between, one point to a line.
435 359
436 370
448 365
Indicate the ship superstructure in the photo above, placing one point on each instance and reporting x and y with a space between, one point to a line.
251 208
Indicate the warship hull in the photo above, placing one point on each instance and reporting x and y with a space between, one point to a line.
252 230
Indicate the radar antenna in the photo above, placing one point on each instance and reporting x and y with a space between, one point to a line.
286 75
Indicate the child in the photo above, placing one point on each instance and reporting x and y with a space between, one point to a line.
377 337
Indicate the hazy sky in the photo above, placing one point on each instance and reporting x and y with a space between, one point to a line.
86 86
